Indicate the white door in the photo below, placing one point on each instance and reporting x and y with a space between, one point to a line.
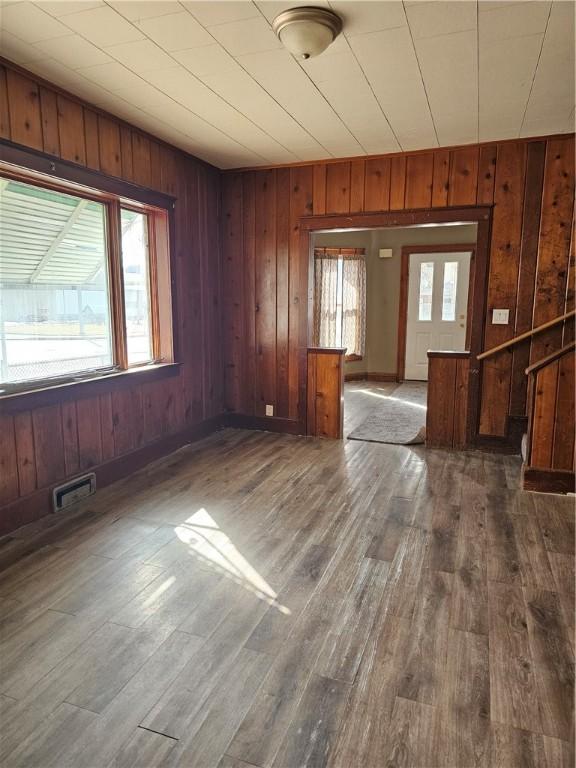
437 307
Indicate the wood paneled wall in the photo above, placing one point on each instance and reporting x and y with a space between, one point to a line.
325 393
549 464
41 447
529 182
448 375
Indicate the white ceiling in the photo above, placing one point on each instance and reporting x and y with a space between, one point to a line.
212 78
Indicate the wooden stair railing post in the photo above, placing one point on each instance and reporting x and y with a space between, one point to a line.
549 460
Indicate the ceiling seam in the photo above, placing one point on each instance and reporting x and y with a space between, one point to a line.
421 75
477 70
353 52
179 64
257 83
145 82
319 92
535 71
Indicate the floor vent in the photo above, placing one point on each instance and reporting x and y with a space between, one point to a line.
69 493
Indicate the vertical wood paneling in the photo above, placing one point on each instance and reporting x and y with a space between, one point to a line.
554 246
154 422
502 284
319 189
48 445
527 272
110 147
446 423
71 131
135 417
543 420
377 185
24 110
49 111
126 153
155 161
123 421
249 230
569 329
419 174
477 174
70 437
106 427
4 109
141 159
232 290
397 182
563 447
441 386
203 385
51 443
8 466
440 182
302 191
91 139
463 176
338 188
25 453
325 394
357 174
266 287
486 174
283 290
89 439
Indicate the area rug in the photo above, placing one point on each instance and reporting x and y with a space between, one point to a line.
398 417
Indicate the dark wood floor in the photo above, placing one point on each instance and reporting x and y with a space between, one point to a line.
266 600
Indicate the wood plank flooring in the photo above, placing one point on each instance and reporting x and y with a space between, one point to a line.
268 600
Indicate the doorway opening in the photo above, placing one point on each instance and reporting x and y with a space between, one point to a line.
390 294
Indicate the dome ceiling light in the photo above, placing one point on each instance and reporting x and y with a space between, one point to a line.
307 31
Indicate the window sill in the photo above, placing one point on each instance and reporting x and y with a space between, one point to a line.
353 358
44 394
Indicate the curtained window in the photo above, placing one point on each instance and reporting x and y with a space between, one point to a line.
340 299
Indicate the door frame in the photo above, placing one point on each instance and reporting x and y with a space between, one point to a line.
478 214
404 278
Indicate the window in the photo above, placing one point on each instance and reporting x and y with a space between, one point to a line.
136 277
425 291
449 290
77 288
340 299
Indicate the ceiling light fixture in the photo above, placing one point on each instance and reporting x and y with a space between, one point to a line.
307 31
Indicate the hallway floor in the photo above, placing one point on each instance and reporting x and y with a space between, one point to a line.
267 600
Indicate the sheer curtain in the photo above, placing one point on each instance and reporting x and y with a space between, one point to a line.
340 299
325 299
354 304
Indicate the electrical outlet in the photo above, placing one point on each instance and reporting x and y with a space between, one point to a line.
500 316
269 410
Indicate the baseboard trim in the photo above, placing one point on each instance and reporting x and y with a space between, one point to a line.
264 423
39 504
495 443
369 376
548 480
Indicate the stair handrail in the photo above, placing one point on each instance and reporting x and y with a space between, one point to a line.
527 335
544 361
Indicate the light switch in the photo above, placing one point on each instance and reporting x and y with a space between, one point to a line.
500 316
269 410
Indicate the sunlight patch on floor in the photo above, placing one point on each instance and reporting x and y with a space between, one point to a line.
390 397
208 542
